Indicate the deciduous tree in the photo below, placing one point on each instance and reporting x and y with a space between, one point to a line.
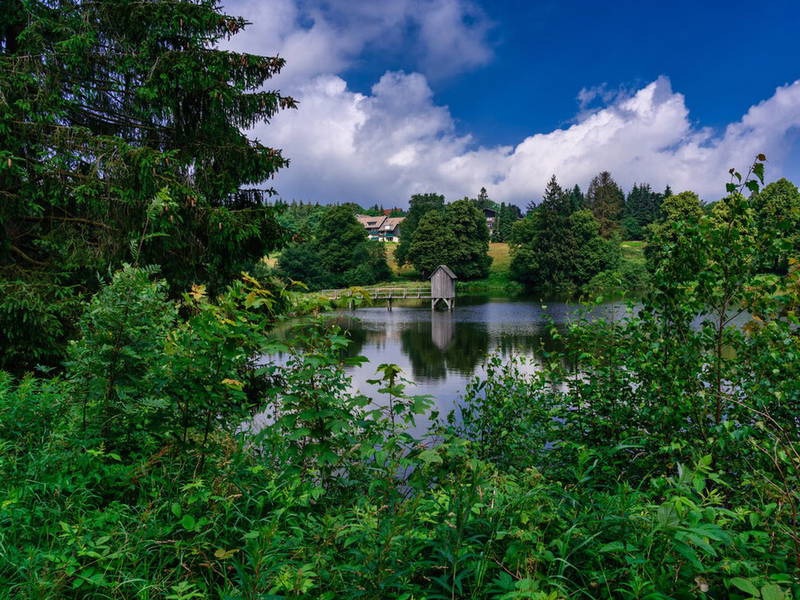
457 237
419 206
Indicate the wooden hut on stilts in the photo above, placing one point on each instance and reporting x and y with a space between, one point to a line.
443 287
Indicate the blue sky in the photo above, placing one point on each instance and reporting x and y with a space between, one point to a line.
724 56
448 95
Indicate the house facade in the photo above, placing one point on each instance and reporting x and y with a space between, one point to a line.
491 218
381 228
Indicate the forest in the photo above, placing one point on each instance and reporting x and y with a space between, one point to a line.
655 456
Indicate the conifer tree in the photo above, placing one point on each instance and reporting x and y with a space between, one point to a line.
576 198
507 215
606 201
642 207
121 139
483 200
556 248
554 200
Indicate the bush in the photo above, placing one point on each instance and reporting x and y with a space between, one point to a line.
302 263
629 278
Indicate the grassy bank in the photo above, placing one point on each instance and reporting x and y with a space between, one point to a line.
498 281
633 252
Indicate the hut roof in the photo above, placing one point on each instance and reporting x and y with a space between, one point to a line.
446 269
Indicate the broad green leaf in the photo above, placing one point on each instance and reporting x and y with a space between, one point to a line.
745 585
188 522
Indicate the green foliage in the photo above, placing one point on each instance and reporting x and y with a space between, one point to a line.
434 244
190 451
629 278
606 200
507 215
121 128
777 214
419 206
556 249
337 240
340 255
300 220
300 262
642 208
457 237
34 319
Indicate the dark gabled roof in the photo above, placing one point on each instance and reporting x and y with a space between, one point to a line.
446 269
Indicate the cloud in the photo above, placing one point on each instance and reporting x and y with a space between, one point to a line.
383 146
442 37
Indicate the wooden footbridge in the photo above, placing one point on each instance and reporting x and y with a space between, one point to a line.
441 289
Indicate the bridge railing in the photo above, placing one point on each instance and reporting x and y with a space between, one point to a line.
379 293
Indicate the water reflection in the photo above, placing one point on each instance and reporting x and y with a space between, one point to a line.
442 351
441 345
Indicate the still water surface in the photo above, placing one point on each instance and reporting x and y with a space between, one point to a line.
442 351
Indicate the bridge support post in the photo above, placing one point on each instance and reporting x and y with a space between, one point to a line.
389 304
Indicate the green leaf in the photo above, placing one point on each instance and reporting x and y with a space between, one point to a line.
745 585
758 169
613 547
772 592
430 457
667 515
188 522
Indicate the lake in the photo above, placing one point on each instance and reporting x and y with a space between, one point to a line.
442 351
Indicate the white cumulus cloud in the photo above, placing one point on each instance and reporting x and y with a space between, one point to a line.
396 141
443 37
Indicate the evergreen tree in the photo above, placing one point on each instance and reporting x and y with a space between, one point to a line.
554 199
560 254
606 201
340 254
301 262
576 199
642 207
483 201
556 248
338 235
507 215
434 244
419 206
121 128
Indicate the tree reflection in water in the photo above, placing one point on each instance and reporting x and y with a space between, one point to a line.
442 344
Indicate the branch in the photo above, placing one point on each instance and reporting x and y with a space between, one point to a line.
71 220
16 250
